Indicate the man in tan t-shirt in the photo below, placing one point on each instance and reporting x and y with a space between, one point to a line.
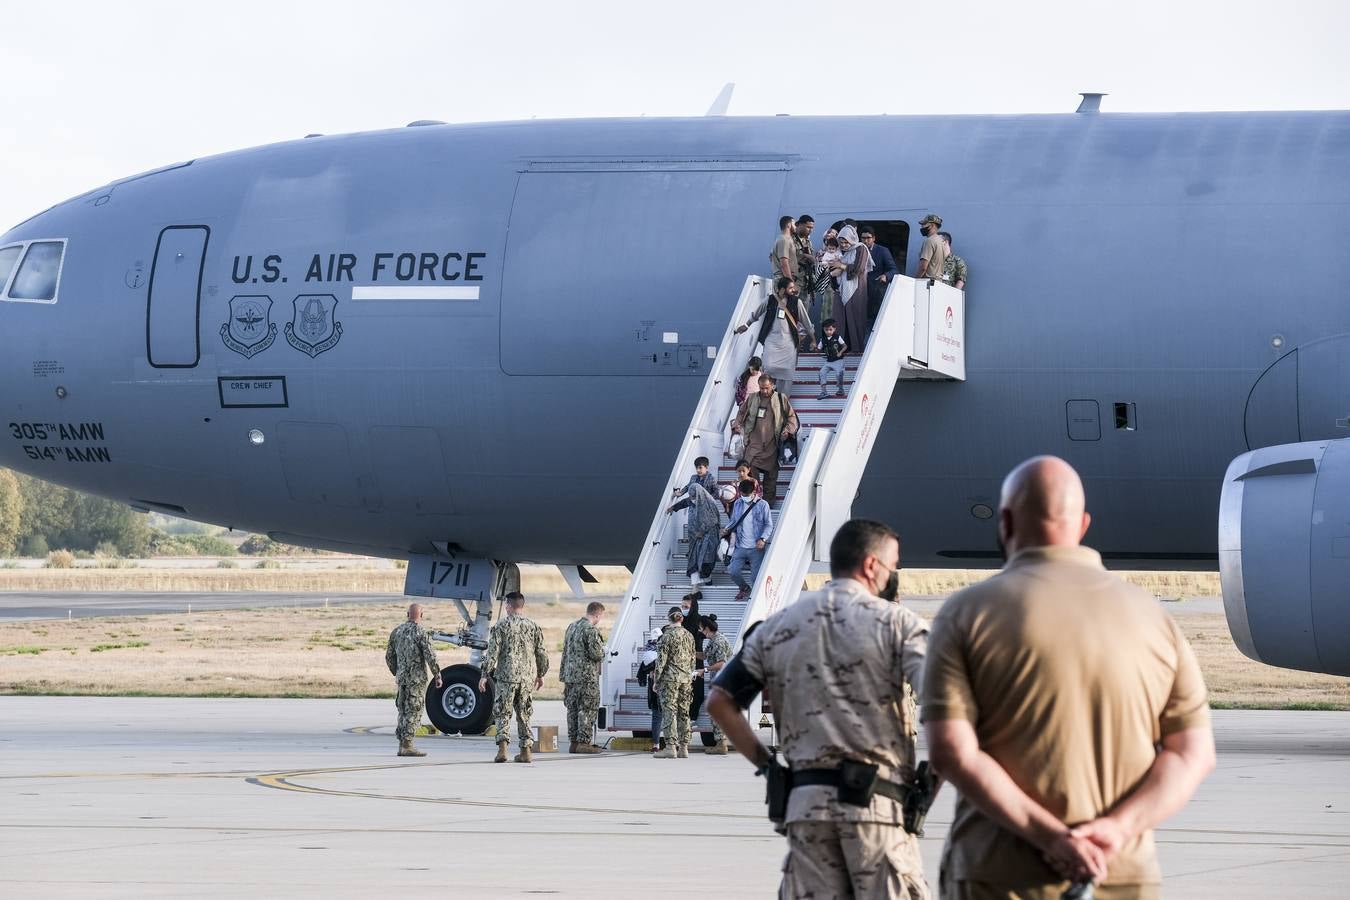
1048 691
783 256
933 253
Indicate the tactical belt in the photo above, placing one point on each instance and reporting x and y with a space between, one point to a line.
833 778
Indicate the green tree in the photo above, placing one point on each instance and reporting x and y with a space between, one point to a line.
11 513
62 517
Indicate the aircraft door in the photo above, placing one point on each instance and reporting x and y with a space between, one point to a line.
630 267
173 301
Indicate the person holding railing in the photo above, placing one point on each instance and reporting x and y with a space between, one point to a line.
784 329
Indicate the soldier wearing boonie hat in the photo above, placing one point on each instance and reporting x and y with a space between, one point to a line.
933 253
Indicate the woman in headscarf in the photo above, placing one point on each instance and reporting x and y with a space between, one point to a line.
704 530
857 262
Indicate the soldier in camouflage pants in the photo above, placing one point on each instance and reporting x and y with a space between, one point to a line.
716 653
673 678
837 667
517 661
583 650
409 657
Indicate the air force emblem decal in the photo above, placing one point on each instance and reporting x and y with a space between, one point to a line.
313 329
250 330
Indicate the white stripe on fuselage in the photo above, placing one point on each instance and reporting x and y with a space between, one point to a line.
413 292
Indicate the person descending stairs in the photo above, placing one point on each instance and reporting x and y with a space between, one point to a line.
810 489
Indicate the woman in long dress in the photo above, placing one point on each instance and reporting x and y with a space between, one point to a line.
857 262
704 530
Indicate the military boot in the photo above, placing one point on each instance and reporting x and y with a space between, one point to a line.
718 749
501 752
588 748
683 751
666 752
524 755
406 748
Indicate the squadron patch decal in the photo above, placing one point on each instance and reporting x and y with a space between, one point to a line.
250 329
313 328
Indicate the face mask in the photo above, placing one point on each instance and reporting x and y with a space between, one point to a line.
891 589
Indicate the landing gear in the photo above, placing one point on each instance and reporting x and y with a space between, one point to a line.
457 706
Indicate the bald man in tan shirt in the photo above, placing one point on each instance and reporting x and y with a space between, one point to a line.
1065 706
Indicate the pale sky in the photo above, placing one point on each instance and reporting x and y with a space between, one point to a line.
97 91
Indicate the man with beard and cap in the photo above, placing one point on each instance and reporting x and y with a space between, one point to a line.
835 666
933 253
784 327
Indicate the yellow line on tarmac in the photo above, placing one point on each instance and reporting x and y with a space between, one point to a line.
283 781
96 775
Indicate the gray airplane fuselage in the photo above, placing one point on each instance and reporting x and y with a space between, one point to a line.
581 271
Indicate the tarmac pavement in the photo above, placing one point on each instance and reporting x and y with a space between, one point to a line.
155 797
22 606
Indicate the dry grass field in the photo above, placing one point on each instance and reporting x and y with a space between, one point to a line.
353 575
339 651
280 652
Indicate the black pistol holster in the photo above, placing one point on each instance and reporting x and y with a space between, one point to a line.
919 798
777 786
856 783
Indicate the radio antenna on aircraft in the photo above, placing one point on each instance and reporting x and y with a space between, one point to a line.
723 101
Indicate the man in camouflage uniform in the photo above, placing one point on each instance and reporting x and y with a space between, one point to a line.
583 649
716 654
673 678
954 270
515 658
835 665
409 657
806 264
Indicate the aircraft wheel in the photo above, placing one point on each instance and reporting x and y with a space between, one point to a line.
457 706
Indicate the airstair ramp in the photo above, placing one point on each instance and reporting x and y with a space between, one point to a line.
923 339
918 335
705 437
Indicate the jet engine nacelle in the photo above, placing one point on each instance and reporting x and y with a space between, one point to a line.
1284 555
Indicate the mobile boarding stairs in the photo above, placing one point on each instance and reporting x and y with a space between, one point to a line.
919 335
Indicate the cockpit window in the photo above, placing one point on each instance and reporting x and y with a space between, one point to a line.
38 274
8 257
